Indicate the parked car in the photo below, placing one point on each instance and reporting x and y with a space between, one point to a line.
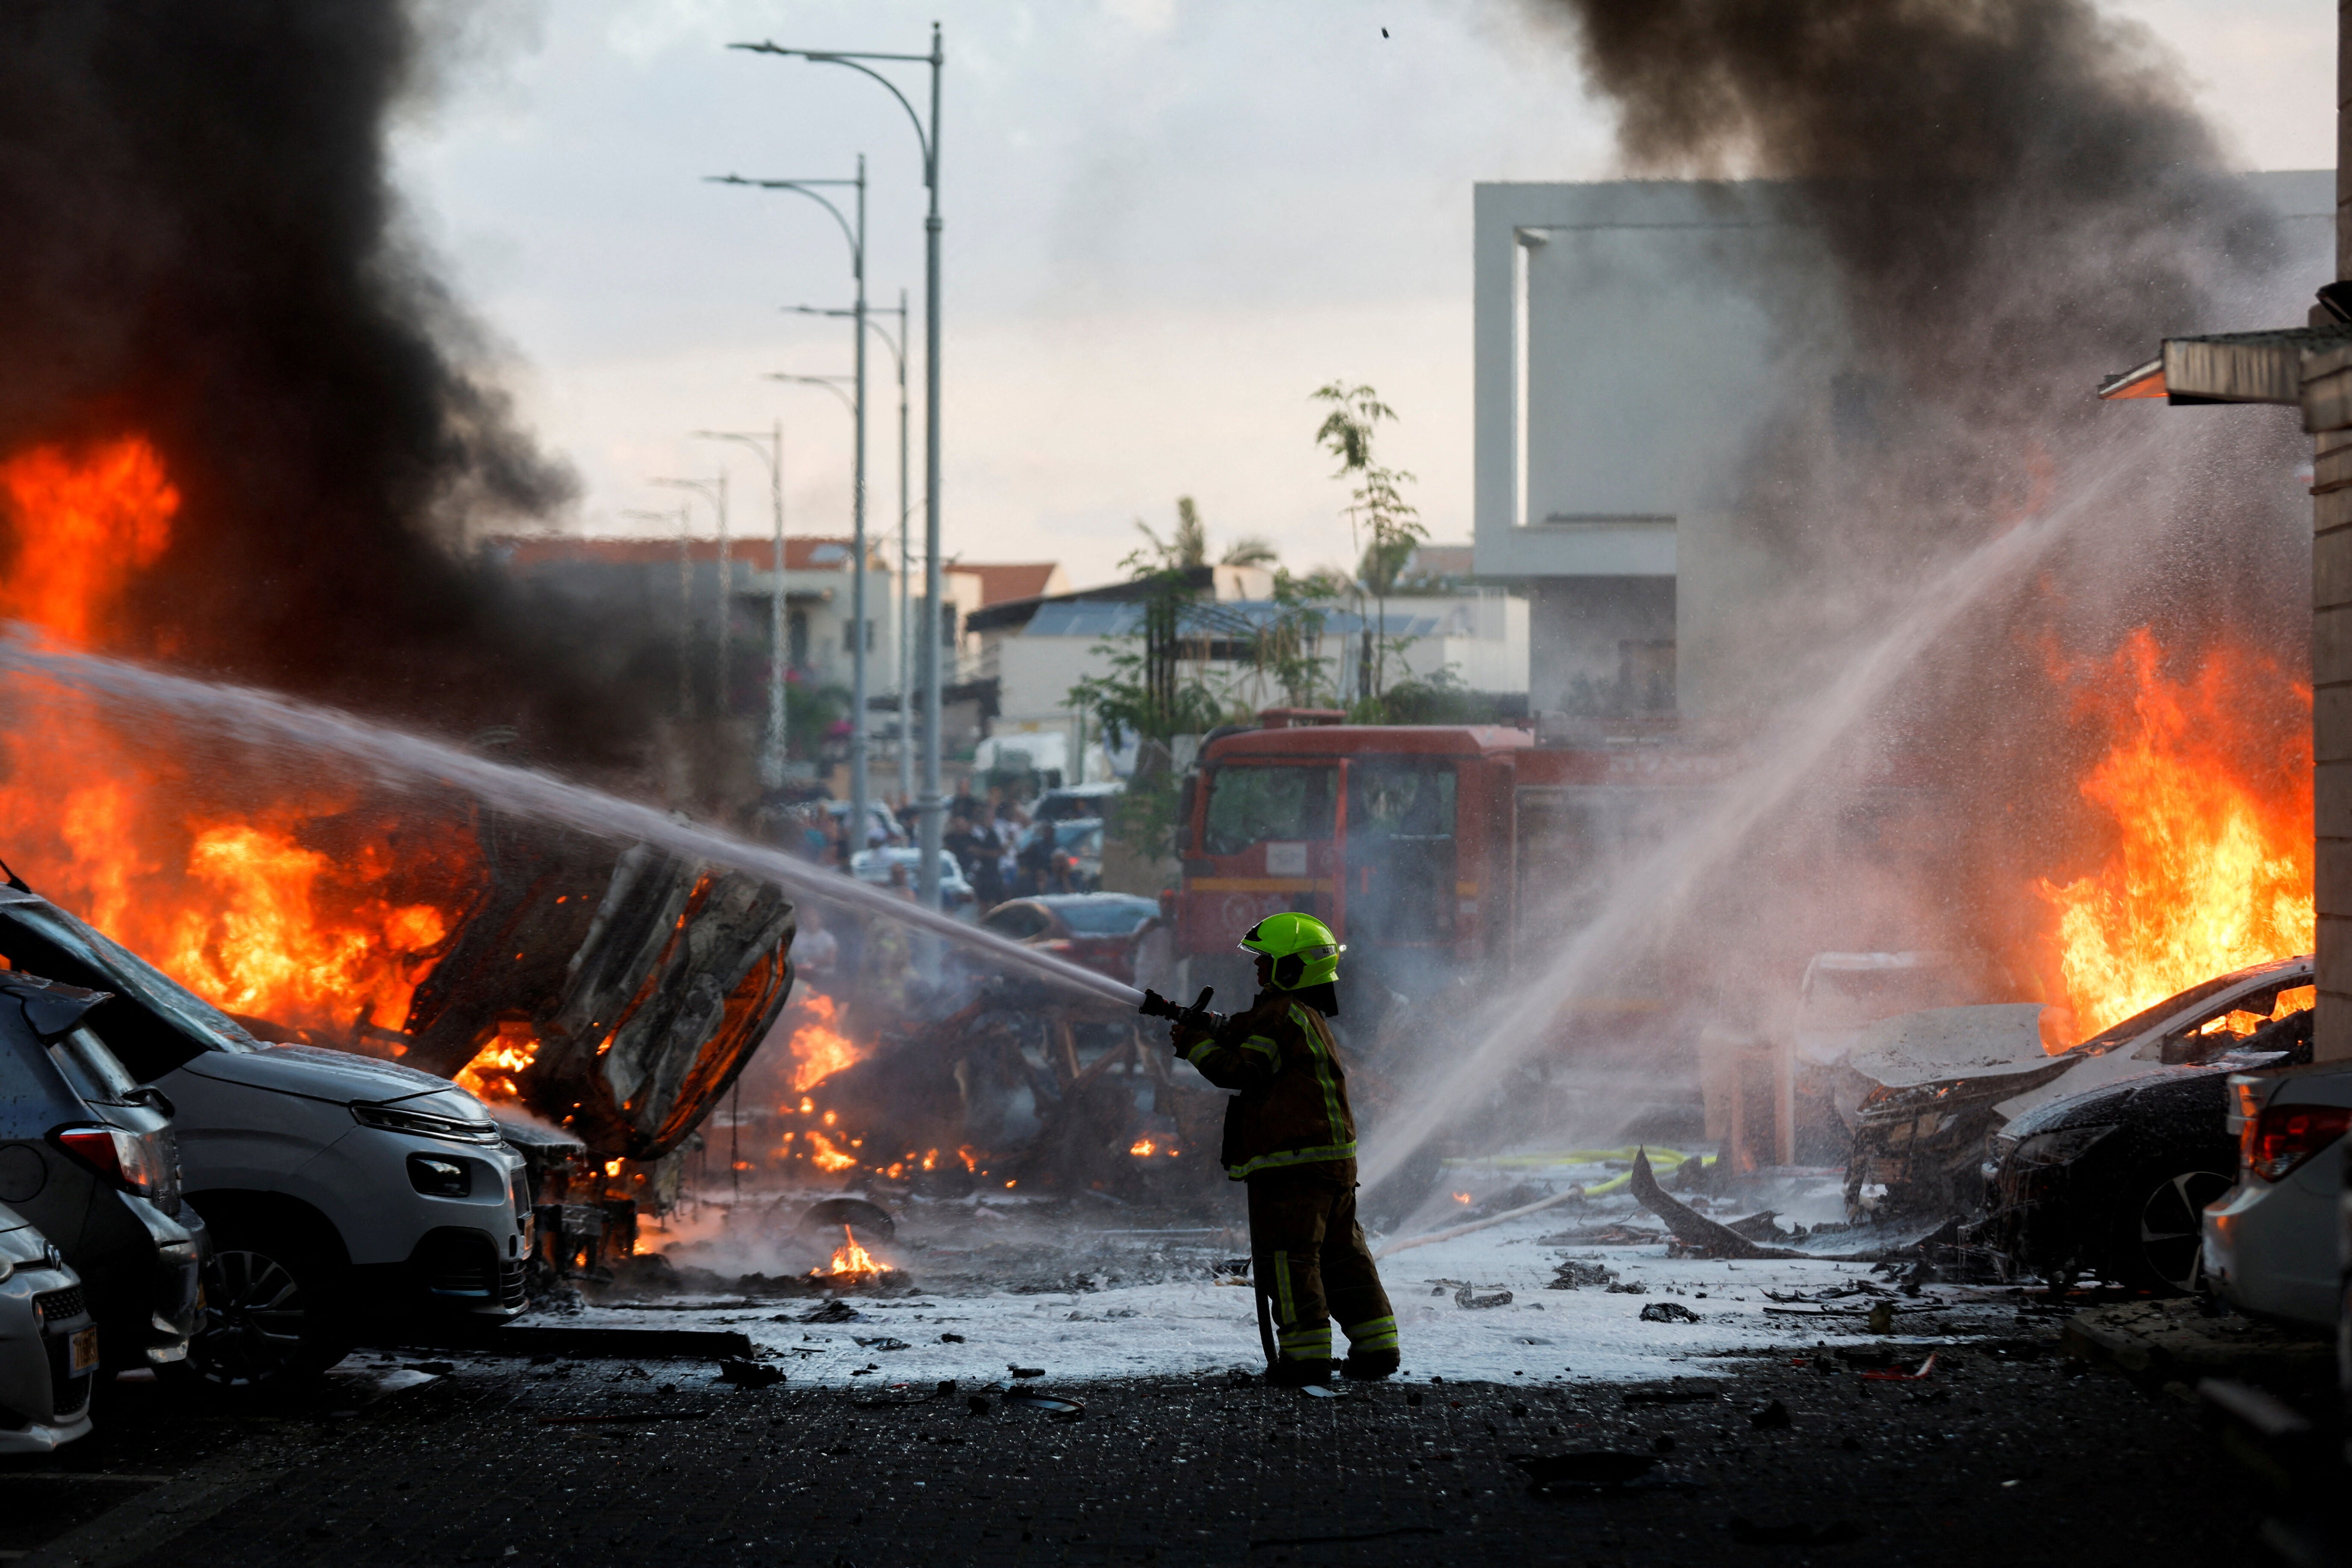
1943 1080
2115 1180
49 1342
1063 857
338 1188
875 865
1077 801
2271 1241
1096 929
86 1155
882 826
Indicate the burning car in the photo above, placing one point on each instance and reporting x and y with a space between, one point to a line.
2113 1181
1943 1080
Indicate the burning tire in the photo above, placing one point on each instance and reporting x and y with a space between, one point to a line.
271 1310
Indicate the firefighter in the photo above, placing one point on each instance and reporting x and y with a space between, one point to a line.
1291 1136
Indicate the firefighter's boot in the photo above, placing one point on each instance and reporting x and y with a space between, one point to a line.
1296 1372
1371 1367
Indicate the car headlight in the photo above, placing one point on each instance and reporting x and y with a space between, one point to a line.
425 1124
2061 1147
439 1176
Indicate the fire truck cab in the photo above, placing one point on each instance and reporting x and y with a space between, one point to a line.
1434 851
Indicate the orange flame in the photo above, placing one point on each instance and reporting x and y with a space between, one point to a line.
2208 784
235 901
850 1257
1141 1148
85 524
819 1050
491 1074
826 1157
1461 1198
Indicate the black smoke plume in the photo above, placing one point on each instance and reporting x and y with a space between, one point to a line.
199 244
2011 199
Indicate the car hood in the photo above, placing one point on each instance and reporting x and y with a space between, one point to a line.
19 1243
338 1076
1973 1043
2077 1100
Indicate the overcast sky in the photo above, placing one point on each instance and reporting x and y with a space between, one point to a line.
1168 221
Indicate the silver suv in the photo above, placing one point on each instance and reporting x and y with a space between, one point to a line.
340 1191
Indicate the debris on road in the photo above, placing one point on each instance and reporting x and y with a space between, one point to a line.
1574 1275
1669 1312
1888 1374
749 1374
1464 1298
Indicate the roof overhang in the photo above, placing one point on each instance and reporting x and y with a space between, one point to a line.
2228 367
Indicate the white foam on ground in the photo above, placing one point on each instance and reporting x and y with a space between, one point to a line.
1195 1326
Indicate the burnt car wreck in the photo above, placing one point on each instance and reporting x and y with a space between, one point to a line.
2096 1159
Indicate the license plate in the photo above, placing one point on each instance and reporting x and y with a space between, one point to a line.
83 1352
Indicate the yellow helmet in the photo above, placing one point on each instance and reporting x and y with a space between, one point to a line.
1304 951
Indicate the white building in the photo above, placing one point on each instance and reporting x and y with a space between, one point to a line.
1035 650
1630 338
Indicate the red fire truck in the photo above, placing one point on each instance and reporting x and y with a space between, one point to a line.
1434 851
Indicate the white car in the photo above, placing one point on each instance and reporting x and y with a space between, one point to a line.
875 865
2271 1242
49 1345
340 1191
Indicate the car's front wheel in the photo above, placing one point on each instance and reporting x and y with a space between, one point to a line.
273 1310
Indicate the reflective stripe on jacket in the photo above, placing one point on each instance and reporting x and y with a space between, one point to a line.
1292 1108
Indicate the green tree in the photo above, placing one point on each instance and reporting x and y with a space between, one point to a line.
1376 501
1188 545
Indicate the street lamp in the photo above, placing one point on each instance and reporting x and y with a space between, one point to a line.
685 521
715 492
859 787
769 445
928 138
906 659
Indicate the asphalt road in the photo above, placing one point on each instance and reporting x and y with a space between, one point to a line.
2005 1453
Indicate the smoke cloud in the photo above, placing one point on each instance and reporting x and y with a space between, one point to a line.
2001 201
204 250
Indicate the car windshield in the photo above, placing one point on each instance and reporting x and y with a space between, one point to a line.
1109 917
2255 1009
154 1024
1251 804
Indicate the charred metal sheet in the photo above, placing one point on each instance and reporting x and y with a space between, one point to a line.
646 978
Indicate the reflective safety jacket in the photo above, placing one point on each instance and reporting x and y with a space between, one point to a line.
1292 1108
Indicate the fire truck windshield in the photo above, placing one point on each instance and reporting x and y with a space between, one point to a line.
1250 804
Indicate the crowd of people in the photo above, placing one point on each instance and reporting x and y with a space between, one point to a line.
989 839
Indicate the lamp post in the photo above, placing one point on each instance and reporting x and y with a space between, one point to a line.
905 660
928 138
769 445
714 491
685 521
859 791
